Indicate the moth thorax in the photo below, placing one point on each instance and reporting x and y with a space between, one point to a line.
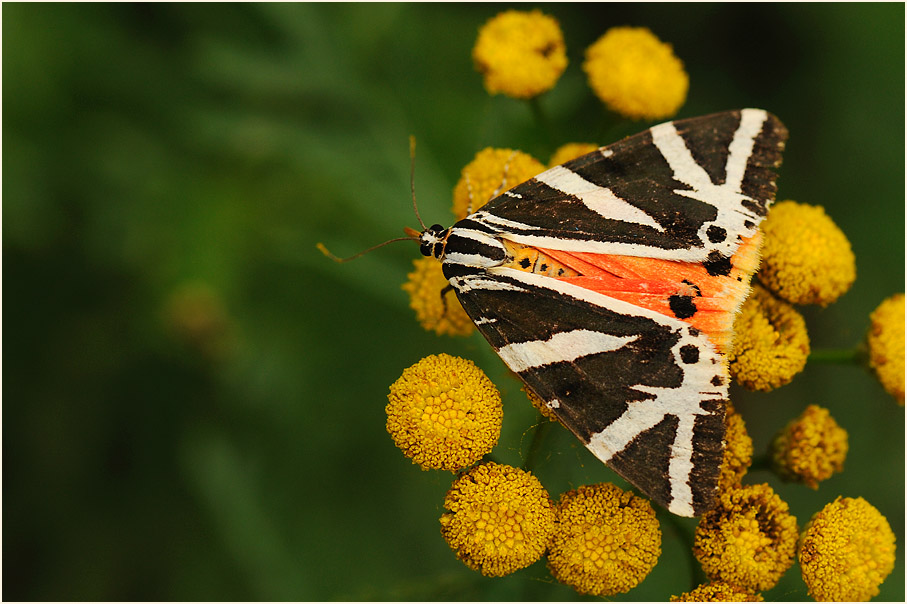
474 248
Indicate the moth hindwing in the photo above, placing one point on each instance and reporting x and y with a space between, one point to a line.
609 284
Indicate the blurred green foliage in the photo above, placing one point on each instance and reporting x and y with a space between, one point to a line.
193 395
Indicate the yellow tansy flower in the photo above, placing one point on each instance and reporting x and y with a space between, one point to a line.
749 539
443 315
885 341
499 519
570 151
444 413
738 452
520 54
770 342
846 551
806 258
810 448
636 74
489 174
605 542
718 591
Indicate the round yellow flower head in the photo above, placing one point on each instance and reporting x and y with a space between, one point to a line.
489 174
443 315
444 413
846 551
605 542
810 448
738 452
636 74
718 591
749 539
806 258
770 342
570 151
885 341
520 54
499 519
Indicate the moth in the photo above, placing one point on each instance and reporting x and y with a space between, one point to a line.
609 285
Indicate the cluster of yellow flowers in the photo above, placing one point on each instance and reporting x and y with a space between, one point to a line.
522 54
444 413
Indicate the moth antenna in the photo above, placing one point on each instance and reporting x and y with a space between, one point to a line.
503 184
412 177
411 234
324 250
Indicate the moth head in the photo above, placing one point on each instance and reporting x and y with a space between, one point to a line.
432 240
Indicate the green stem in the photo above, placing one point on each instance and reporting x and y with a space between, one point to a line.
697 576
535 445
541 120
838 356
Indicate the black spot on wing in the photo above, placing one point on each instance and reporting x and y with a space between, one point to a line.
716 234
689 354
682 306
717 265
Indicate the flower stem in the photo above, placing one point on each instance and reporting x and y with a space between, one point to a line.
541 120
535 444
838 356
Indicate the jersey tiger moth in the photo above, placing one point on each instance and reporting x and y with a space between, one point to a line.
609 285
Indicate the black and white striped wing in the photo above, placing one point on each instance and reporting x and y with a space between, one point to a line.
686 190
643 391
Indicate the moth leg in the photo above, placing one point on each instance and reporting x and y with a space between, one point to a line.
446 290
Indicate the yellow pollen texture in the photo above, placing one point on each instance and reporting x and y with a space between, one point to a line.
520 54
847 551
748 540
811 448
635 74
717 591
444 316
806 258
491 172
606 540
771 344
570 151
444 413
499 519
885 342
738 452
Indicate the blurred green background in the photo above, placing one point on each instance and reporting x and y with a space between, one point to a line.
194 396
